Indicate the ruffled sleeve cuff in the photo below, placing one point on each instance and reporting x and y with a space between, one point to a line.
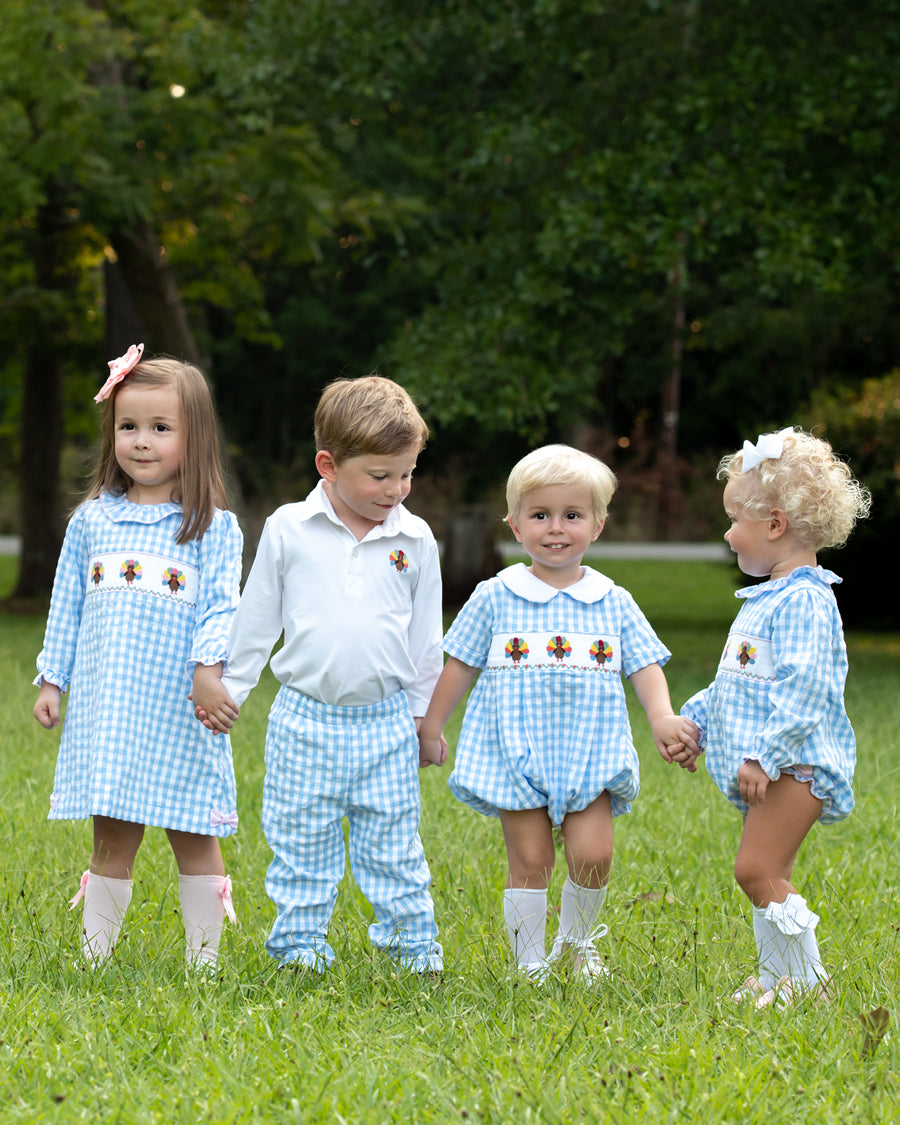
50 677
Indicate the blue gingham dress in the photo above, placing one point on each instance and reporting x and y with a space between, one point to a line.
132 612
778 696
546 725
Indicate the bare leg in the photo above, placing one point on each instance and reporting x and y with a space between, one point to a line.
530 855
773 833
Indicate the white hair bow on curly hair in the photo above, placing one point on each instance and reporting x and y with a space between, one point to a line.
767 446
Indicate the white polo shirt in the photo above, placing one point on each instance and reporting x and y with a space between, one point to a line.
361 619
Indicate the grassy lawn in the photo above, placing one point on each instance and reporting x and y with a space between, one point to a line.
658 1042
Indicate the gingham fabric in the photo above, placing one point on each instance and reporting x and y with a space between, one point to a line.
131 748
324 763
778 696
556 735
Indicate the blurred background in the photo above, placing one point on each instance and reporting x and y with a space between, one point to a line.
650 229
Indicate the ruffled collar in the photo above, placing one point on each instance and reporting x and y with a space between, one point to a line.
802 573
519 580
119 509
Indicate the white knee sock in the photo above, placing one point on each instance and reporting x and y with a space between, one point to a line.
794 951
205 899
105 903
578 912
764 931
525 913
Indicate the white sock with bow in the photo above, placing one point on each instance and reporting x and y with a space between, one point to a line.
205 900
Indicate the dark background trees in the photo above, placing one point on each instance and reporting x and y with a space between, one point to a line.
653 228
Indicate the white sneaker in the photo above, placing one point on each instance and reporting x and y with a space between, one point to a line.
751 989
583 956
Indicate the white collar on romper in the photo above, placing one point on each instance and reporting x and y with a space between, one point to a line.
590 588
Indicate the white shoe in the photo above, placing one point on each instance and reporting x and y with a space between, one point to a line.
583 956
751 989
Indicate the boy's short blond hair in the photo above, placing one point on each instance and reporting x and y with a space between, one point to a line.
809 483
560 464
372 415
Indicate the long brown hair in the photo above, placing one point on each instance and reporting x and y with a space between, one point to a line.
200 487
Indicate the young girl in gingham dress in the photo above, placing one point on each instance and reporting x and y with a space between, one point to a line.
546 740
778 741
145 588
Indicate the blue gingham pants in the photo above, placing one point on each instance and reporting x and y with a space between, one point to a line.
324 763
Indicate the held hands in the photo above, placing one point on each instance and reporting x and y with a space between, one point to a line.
46 710
213 706
753 782
432 751
678 741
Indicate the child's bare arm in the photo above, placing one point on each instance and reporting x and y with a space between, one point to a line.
453 683
46 709
213 706
676 737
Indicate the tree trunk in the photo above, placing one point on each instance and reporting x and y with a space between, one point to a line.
667 461
41 425
154 293
470 552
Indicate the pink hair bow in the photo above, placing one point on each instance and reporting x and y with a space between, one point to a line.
118 369
767 446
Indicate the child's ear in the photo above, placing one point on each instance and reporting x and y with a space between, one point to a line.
778 523
326 465
514 529
600 526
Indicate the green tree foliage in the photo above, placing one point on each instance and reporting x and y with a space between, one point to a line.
864 427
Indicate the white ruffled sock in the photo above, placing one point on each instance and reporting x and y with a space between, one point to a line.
205 900
105 903
794 951
525 913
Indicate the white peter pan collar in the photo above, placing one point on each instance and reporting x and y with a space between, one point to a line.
519 580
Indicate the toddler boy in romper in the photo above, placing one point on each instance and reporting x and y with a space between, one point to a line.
353 581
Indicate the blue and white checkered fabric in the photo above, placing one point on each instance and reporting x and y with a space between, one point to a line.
324 763
548 736
778 697
131 748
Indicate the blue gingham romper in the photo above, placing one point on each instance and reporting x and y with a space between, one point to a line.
778 696
547 723
131 609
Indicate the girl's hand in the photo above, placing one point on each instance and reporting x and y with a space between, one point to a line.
213 706
46 710
432 751
677 739
753 782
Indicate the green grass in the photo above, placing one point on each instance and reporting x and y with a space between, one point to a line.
141 1042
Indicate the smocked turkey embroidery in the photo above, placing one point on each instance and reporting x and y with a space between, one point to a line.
399 560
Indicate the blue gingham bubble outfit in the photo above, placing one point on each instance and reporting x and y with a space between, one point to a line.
132 613
547 723
778 695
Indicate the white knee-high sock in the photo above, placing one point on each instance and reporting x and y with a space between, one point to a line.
764 931
579 909
205 899
105 903
525 913
794 949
